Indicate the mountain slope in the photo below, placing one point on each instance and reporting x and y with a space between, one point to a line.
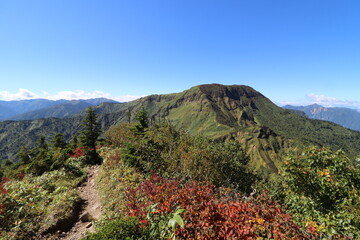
57 111
6 112
345 117
15 134
22 106
217 111
240 112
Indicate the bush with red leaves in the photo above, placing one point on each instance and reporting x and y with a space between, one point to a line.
3 191
213 213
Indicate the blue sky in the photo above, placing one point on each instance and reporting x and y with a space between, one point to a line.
291 51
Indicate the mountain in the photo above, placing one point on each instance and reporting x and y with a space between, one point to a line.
43 108
265 130
345 117
240 112
12 108
6 112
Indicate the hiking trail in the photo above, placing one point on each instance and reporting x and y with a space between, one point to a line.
91 209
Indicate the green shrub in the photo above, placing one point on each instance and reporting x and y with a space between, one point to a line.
113 180
34 204
175 153
122 229
321 188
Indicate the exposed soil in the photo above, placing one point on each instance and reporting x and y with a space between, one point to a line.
89 211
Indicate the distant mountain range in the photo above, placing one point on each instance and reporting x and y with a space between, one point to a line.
43 108
345 117
239 112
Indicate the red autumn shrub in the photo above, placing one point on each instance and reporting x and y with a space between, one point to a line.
3 191
2 183
213 213
21 175
78 152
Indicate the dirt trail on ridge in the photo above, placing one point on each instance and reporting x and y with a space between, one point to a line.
91 210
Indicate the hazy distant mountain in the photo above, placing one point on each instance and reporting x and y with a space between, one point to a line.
6 112
43 108
217 111
346 117
9 109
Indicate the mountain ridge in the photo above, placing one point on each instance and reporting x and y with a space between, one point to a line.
346 117
217 111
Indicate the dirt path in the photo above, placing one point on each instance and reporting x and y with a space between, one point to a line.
91 208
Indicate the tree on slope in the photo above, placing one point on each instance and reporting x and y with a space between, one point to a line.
142 122
59 142
89 136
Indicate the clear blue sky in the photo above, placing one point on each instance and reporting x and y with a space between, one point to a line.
284 49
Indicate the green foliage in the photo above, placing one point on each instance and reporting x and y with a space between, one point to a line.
32 205
142 122
24 155
89 137
163 226
118 135
42 145
121 229
59 158
58 141
324 206
114 178
176 220
91 131
74 142
92 157
42 159
74 166
322 189
170 152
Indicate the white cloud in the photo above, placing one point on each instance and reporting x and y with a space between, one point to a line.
126 98
79 94
332 102
323 101
24 94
